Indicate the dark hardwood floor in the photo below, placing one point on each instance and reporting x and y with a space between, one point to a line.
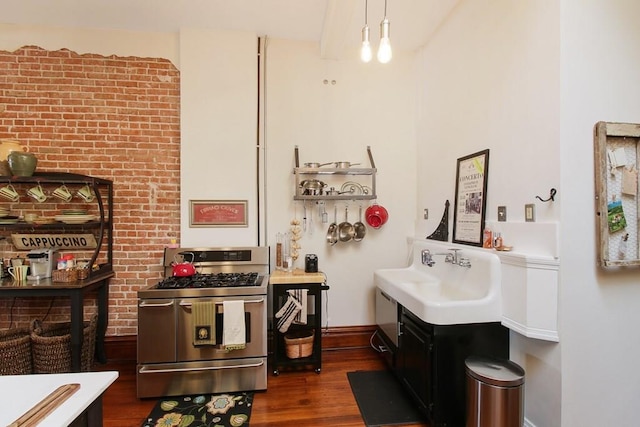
293 398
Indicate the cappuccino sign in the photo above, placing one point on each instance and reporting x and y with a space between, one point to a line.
62 241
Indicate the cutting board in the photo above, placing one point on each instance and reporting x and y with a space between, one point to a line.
296 276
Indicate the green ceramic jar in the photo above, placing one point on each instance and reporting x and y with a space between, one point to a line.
21 163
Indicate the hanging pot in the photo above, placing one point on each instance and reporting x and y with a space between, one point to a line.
332 232
184 268
359 228
345 229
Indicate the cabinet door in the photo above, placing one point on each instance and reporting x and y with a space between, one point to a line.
415 362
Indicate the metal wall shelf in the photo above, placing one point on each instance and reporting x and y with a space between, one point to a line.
341 172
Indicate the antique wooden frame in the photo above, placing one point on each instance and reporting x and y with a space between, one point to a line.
218 213
616 161
470 198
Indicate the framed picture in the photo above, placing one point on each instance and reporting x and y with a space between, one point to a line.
218 213
470 198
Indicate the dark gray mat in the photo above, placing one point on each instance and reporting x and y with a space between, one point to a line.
381 399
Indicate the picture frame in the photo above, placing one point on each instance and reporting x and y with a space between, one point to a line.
218 213
472 174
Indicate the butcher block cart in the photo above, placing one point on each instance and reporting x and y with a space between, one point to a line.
297 319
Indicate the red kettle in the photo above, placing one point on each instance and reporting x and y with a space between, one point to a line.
185 268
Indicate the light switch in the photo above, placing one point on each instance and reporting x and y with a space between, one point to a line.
529 213
502 213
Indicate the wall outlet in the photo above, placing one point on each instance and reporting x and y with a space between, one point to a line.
426 214
529 213
502 213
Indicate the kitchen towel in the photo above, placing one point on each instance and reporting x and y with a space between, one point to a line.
287 314
233 327
203 315
301 297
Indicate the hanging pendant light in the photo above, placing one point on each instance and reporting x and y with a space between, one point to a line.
384 50
365 50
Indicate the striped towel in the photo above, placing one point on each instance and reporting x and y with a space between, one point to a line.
203 315
300 296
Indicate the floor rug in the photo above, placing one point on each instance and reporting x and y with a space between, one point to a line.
381 399
200 410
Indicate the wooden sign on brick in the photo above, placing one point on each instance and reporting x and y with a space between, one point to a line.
62 241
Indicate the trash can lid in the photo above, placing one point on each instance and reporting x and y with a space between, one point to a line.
498 372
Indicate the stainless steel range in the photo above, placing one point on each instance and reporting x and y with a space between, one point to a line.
173 357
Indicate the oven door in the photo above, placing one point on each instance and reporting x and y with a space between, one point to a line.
156 330
255 315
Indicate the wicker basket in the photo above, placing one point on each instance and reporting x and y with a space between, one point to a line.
67 275
51 346
83 273
15 352
299 344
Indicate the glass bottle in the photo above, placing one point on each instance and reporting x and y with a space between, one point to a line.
279 242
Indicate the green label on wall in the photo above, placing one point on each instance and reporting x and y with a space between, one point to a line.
63 241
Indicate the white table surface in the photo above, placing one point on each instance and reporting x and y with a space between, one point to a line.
19 393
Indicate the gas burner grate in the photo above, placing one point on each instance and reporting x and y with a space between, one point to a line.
210 281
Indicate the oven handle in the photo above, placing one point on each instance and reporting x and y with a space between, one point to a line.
146 370
250 301
159 304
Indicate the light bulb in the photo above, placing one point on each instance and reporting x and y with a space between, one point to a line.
384 50
365 50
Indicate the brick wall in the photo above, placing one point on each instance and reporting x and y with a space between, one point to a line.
112 117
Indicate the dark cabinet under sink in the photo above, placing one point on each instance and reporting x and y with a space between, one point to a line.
430 363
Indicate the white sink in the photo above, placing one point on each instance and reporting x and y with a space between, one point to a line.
447 294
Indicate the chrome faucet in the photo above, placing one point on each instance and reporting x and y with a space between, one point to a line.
464 262
449 257
427 258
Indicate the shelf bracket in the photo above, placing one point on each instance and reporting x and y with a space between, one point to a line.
373 164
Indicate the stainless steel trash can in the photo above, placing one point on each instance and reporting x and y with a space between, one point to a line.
495 395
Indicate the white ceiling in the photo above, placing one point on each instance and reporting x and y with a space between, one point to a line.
335 24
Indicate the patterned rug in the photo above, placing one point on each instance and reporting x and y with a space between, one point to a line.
208 410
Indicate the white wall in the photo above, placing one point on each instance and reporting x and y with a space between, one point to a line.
102 42
369 104
490 79
218 96
599 70
529 80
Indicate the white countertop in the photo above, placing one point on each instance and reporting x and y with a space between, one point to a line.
19 393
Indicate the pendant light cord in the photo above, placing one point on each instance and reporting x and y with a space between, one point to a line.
366 8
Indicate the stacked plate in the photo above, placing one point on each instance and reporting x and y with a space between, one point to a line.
41 220
77 211
9 219
74 216
3 212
